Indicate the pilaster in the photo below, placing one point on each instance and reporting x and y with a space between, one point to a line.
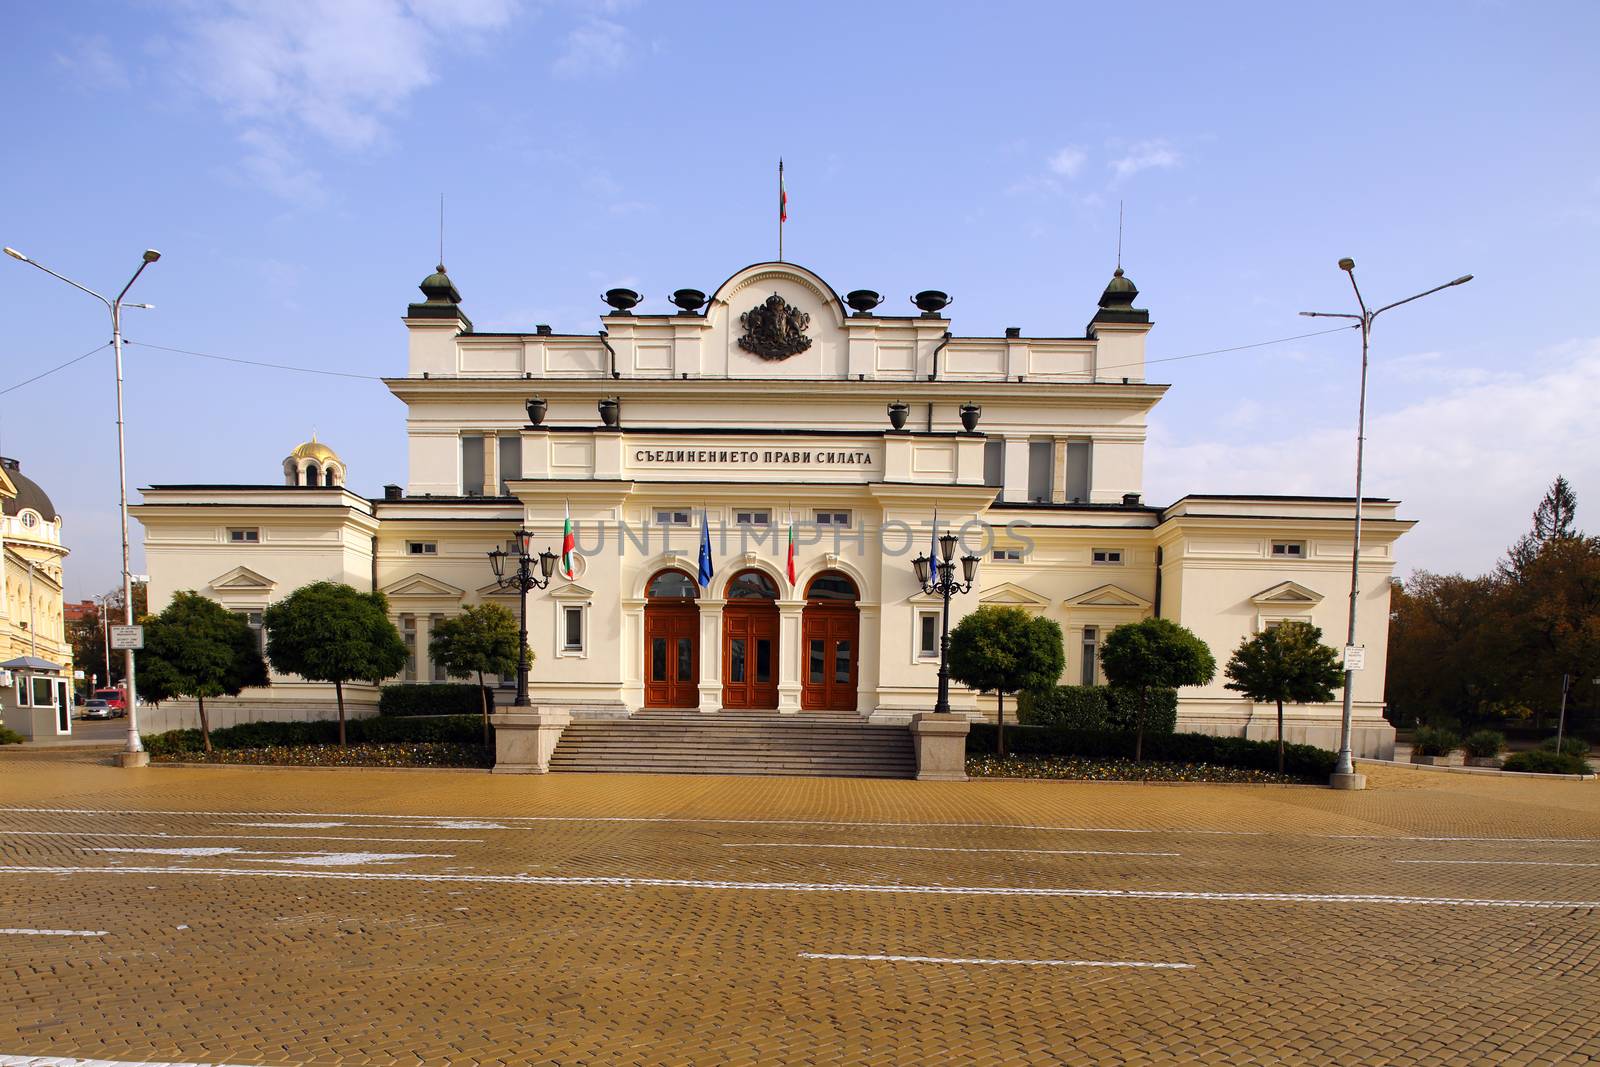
791 613
711 655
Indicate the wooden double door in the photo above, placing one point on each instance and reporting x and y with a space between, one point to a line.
750 654
672 655
830 654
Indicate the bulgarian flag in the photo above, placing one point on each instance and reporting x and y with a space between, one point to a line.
789 567
783 196
567 544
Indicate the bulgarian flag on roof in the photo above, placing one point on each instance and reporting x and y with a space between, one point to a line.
567 544
789 566
783 196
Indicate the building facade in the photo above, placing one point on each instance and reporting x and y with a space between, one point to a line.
35 656
776 408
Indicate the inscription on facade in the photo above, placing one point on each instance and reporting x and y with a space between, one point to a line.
765 457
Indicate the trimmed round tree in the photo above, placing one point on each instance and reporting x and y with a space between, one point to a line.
1285 662
198 648
482 639
1154 654
1006 650
330 632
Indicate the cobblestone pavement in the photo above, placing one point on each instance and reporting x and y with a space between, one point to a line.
248 916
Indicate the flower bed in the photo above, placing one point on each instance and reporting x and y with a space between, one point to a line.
391 754
1119 770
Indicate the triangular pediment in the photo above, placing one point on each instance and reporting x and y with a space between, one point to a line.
1287 594
421 586
496 591
571 591
243 579
1108 596
1012 595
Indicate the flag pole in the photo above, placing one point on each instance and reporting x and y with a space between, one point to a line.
783 208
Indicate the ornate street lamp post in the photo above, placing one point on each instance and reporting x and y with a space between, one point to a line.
939 577
522 579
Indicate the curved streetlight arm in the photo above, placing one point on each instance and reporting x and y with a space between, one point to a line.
69 281
142 265
1464 279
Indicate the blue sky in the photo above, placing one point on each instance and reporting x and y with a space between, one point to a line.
287 158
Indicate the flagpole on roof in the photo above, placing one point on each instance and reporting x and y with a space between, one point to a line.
783 208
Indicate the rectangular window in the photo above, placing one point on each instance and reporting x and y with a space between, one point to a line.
658 659
572 628
928 635
472 464
841 663
1078 464
673 518
510 462
814 663
1006 555
763 660
43 692
436 666
422 548
994 463
1041 470
1091 638
22 691
1111 557
685 659
736 659
762 517
244 536
833 518
408 634
255 621
1288 549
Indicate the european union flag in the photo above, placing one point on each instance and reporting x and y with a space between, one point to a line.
705 551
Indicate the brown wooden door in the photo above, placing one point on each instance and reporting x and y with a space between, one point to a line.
830 652
750 655
671 655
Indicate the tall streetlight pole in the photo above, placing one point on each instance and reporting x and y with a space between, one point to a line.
134 754
938 577
1344 771
520 550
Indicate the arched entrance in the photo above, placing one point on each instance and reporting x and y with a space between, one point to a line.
671 642
830 644
750 642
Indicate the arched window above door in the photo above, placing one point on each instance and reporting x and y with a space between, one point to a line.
671 584
832 586
751 585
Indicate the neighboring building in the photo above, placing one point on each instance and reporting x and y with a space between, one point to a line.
35 656
772 400
78 612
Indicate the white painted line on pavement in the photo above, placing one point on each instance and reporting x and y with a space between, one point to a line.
68 1061
1508 863
628 882
1474 840
245 837
996 963
937 848
304 857
24 932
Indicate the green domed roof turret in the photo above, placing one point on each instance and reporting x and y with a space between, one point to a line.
1116 303
443 300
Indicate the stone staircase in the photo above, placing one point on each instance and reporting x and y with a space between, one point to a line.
737 742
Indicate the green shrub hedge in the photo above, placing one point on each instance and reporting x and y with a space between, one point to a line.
1484 744
1302 761
1543 762
459 729
1570 746
9 736
1434 741
1098 707
442 698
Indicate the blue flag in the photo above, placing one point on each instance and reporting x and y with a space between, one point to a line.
705 550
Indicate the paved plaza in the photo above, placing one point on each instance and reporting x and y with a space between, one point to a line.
253 916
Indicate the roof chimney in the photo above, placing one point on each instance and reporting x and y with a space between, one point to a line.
392 492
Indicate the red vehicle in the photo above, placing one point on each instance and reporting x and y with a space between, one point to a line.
114 697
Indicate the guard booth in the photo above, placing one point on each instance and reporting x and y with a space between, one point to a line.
35 698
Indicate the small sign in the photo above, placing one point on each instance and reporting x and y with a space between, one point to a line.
1355 657
127 637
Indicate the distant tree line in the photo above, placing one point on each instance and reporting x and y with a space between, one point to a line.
1466 652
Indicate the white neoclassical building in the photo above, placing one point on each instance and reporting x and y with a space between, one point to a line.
776 402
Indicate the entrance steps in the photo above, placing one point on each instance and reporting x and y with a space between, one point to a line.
737 743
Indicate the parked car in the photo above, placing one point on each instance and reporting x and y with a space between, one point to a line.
97 709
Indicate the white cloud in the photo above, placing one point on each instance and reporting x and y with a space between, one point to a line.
1470 459
289 69
93 62
1155 154
1068 161
593 48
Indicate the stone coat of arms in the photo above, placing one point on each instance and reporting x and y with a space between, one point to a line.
775 329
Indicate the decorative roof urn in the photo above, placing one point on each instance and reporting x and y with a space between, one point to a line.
537 408
897 414
622 301
932 301
862 301
611 412
970 414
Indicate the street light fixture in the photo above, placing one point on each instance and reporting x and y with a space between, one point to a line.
1344 776
133 754
519 549
938 577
